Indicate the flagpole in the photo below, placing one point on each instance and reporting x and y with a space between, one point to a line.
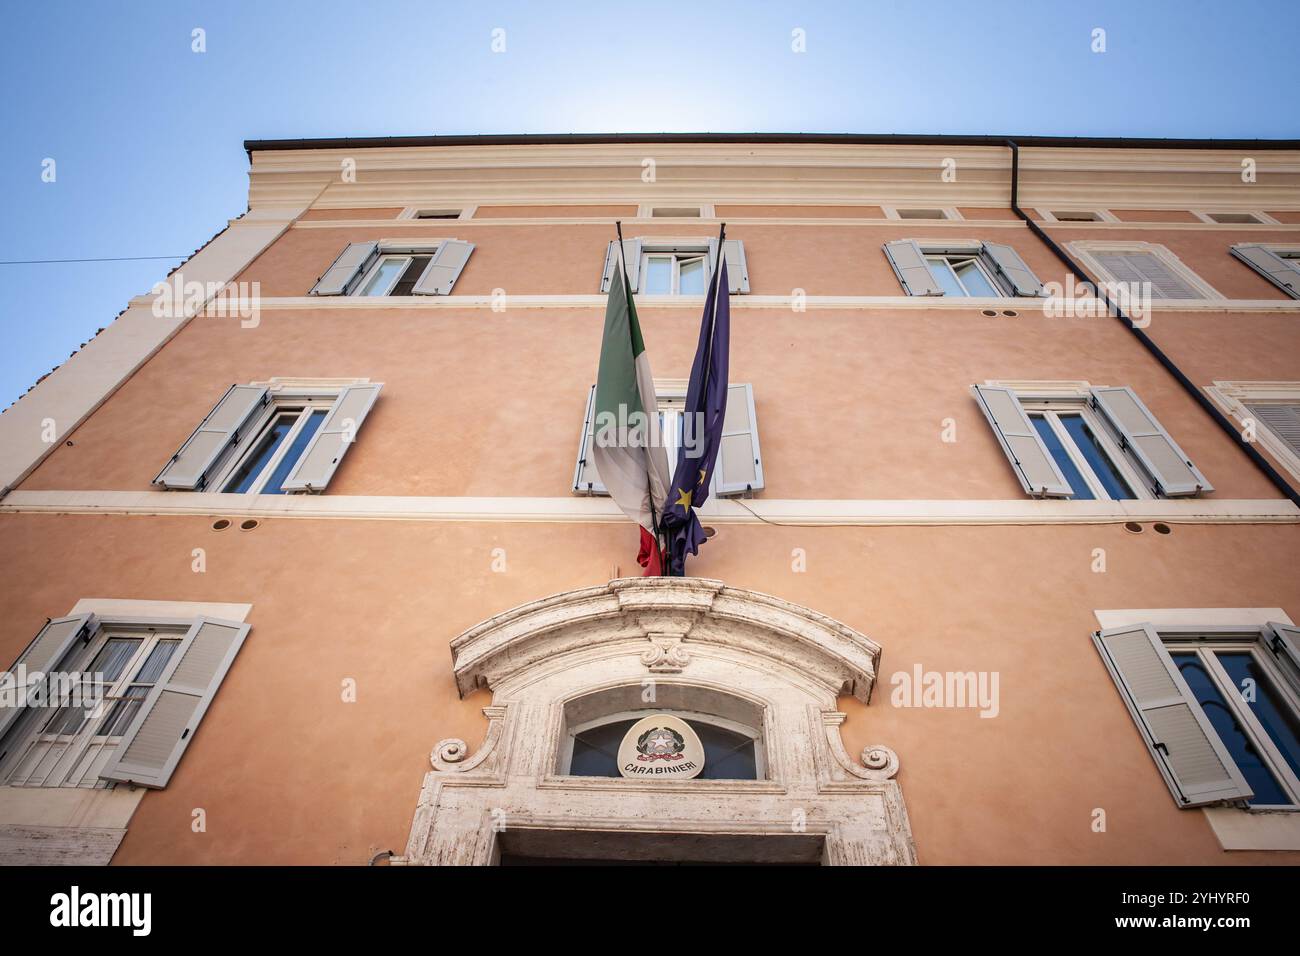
654 516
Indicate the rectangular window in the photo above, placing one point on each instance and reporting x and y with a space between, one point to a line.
282 437
71 746
1135 263
1251 706
1087 215
1233 218
438 213
922 214
664 273
1087 460
394 275
962 275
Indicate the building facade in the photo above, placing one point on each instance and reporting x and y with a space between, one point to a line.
994 578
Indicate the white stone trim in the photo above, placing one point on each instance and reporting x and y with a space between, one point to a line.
1264 218
569 508
900 303
1232 398
950 212
544 660
1048 216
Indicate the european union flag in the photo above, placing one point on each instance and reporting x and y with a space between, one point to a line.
706 407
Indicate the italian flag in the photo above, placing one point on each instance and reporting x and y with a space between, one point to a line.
627 447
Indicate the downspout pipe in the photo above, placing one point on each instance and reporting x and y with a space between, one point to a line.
1165 361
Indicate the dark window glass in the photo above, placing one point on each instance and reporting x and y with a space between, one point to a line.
1063 461
1269 706
1096 457
728 755
276 485
1230 731
262 453
412 275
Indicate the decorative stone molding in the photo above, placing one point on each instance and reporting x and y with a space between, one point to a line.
734 654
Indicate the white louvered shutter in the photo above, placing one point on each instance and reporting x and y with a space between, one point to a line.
739 467
337 433
222 430
585 479
347 269
45 653
1145 439
1033 464
444 268
154 741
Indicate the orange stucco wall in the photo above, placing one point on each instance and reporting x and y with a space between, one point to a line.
288 773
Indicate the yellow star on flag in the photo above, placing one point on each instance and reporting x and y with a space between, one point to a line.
684 499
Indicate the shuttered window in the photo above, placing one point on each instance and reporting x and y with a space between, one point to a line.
251 443
1216 708
1106 446
985 269
1139 267
739 468
369 269
676 268
1282 268
1282 419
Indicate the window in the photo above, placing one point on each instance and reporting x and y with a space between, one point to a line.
1078 215
271 440
962 275
395 269
104 681
1219 707
959 269
1269 413
739 466
1086 457
732 751
1135 263
1071 440
1242 218
1280 265
666 273
438 212
681 211
661 266
931 213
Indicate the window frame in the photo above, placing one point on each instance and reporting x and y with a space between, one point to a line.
565 761
390 251
1233 397
1205 642
975 257
1261 218
1054 215
646 210
895 212
151 632
677 256
277 405
1086 249
1051 408
415 212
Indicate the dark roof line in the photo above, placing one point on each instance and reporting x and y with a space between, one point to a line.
849 139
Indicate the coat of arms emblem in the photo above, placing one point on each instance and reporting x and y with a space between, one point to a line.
660 743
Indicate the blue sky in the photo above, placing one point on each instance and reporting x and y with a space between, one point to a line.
147 134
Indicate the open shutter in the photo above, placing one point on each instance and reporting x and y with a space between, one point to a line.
1284 642
351 264
44 654
1282 420
332 440
1015 277
739 467
223 428
1033 463
1184 745
737 268
444 268
1146 267
154 741
632 250
1143 437
911 268
1283 273
585 479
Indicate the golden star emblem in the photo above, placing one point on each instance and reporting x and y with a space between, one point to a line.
684 499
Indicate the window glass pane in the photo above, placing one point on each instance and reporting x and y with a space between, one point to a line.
658 279
691 279
1269 706
154 664
974 279
275 486
124 710
728 755
406 283
1096 456
262 452
105 668
1063 460
943 275
1230 731
383 276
